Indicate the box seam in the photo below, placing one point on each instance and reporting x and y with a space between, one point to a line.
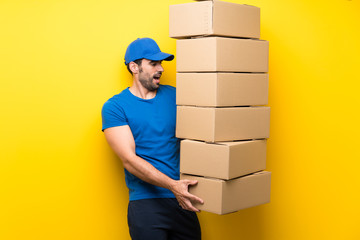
212 17
222 197
208 24
214 125
217 89
216 52
229 162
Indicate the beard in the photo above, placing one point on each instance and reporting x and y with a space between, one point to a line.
147 80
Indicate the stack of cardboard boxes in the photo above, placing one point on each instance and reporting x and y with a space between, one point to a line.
221 84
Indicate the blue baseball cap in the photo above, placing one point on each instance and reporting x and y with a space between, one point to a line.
145 48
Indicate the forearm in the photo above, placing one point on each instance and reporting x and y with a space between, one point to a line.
147 172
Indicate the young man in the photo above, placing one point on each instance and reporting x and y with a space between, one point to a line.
139 124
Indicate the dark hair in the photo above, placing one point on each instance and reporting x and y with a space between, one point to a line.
137 61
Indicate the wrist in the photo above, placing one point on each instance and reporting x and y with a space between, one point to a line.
171 185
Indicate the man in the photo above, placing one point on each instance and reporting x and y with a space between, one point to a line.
139 124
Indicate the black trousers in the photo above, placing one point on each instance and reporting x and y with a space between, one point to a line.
162 219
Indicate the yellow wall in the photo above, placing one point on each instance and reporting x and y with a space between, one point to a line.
60 60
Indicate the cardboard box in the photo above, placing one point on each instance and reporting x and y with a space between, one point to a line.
214 18
221 196
221 89
219 54
222 124
223 160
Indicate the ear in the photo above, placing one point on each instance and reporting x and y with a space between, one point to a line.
134 67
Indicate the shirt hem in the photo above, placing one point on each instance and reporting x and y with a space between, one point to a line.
152 197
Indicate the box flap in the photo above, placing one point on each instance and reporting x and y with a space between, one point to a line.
248 191
226 13
242 89
183 16
196 55
194 89
242 123
189 124
252 54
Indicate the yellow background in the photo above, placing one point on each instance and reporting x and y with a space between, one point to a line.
60 60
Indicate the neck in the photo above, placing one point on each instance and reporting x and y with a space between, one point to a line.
138 90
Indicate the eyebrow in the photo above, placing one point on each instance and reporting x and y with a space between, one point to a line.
151 61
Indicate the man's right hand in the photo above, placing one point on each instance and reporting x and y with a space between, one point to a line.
180 189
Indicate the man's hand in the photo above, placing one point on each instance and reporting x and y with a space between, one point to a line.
180 189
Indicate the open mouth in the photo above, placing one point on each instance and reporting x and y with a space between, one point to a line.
157 77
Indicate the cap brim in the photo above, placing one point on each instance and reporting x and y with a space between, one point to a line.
160 56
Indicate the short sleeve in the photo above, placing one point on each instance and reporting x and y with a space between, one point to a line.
113 115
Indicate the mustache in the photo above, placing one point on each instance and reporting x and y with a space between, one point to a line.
158 74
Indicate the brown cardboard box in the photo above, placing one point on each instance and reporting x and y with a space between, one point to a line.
219 54
214 18
222 124
221 196
224 160
221 89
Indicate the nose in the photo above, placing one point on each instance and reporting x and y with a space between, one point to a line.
159 68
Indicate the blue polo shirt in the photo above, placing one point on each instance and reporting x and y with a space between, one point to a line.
152 122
